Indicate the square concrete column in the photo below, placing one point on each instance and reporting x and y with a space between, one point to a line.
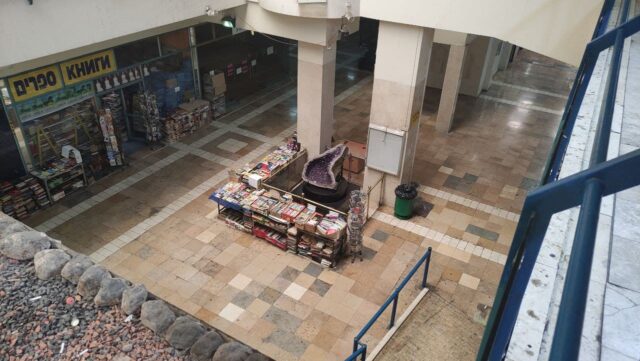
400 77
316 81
450 88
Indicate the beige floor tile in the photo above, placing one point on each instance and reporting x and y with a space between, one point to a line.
469 281
258 307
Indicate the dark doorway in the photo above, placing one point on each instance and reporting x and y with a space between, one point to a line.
11 166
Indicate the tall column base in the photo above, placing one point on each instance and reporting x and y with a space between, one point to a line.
316 82
450 88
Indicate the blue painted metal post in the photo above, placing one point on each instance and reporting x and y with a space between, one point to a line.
393 311
603 131
426 269
568 332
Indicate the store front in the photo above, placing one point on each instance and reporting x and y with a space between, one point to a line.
246 62
76 121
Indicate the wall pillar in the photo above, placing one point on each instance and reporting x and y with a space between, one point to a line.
450 88
316 81
400 76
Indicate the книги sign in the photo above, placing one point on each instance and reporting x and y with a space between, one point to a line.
88 67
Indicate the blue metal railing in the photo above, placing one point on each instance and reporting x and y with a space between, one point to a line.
584 189
360 348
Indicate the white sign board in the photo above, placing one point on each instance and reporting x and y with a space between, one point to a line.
385 149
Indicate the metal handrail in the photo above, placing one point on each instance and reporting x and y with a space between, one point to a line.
359 348
584 189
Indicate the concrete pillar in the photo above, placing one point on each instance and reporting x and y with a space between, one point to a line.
450 88
316 81
505 55
400 76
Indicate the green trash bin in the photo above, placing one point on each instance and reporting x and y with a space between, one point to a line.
405 195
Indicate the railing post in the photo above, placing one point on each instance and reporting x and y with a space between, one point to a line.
393 311
426 269
568 330
364 352
355 344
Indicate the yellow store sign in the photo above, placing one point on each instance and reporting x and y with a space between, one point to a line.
88 67
34 83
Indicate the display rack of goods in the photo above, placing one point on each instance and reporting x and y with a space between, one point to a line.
226 196
22 198
289 225
61 178
114 156
146 106
75 125
113 102
262 205
271 163
292 240
292 211
234 219
187 119
331 226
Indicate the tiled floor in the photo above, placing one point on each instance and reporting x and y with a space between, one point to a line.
153 222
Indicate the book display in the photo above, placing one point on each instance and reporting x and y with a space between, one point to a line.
213 89
61 178
75 125
188 118
145 105
269 165
113 102
23 197
307 230
114 155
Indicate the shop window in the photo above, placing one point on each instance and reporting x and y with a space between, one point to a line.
171 80
204 32
137 52
220 31
11 166
6 99
174 42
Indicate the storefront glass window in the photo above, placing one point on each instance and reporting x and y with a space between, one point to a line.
174 42
204 32
171 80
5 93
137 52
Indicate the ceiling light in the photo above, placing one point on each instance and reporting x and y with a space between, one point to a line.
229 22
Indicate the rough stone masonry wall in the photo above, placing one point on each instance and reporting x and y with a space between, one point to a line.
95 284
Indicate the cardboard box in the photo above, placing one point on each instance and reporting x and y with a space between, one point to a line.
219 83
171 83
354 163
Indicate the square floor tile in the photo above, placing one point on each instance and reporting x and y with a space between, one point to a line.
295 291
258 307
240 281
288 342
470 178
320 287
282 319
380 235
232 145
231 312
481 232
289 273
242 299
269 295
469 281
313 269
